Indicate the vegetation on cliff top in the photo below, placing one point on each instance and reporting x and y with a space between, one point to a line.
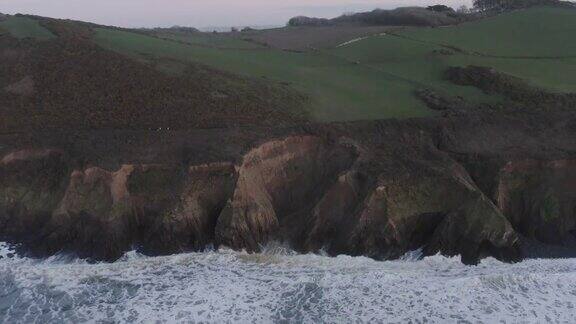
243 78
376 76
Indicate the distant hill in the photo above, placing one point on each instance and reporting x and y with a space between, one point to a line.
408 16
508 5
432 16
173 29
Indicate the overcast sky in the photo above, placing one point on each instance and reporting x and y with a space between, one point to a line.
199 13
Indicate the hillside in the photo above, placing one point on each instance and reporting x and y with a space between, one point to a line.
540 53
375 73
112 77
167 141
54 76
404 16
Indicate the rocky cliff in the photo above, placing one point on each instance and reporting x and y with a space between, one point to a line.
473 187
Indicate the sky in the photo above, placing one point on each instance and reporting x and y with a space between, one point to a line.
200 13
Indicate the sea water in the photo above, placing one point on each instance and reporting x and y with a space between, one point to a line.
281 286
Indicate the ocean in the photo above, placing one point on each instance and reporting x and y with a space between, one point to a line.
280 286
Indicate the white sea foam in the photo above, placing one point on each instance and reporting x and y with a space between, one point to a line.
279 285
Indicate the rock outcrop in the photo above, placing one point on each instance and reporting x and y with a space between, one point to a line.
376 189
32 183
191 224
91 218
278 182
539 198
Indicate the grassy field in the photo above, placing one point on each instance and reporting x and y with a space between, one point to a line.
24 27
426 66
339 89
368 77
220 41
420 64
306 38
535 32
535 44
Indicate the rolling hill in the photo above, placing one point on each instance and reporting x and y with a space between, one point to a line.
53 75
374 75
132 78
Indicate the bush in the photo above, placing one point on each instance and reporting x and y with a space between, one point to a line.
308 21
440 8
503 5
408 16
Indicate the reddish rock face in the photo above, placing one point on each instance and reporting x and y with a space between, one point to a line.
277 183
92 218
312 192
413 211
539 198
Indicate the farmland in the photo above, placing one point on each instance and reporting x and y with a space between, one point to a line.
339 89
349 72
375 76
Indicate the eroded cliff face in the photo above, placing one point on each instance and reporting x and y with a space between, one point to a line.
32 183
278 184
314 192
539 198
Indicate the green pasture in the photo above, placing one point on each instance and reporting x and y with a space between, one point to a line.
24 27
376 77
535 32
339 89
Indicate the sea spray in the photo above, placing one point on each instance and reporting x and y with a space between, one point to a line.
281 285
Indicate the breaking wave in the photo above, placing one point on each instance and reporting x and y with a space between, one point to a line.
281 286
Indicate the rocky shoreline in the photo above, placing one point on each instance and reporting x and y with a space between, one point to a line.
474 186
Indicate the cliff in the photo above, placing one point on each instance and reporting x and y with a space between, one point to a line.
477 186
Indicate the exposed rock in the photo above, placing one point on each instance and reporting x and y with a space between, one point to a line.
92 218
327 228
476 230
32 183
192 223
276 182
539 198
404 214
378 189
103 214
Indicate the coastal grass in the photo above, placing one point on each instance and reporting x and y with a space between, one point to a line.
339 89
421 65
24 27
376 77
424 54
534 32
